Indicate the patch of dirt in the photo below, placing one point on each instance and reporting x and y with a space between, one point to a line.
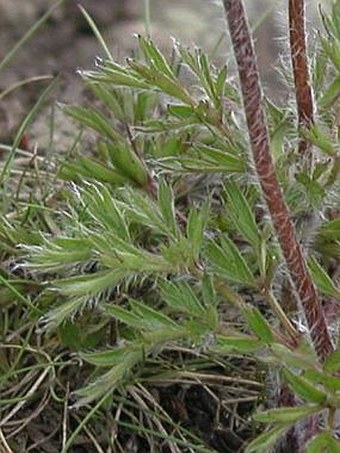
66 43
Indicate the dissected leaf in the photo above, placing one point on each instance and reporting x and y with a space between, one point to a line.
228 262
155 57
241 213
181 297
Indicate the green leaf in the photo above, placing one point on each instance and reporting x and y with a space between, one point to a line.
107 382
116 75
201 164
122 156
208 291
111 357
59 253
212 318
319 71
92 118
241 214
89 284
205 74
265 441
332 362
304 388
227 160
126 162
332 48
167 207
286 414
155 57
331 22
196 331
331 94
323 442
331 230
181 111
109 98
257 323
90 169
142 210
322 279
196 224
187 56
105 210
237 343
70 335
155 339
228 262
300 359
151 318
316 136
78 335
62 312
161 81
314 191
181 297
220 81
123 315
331 383
146 102
178 255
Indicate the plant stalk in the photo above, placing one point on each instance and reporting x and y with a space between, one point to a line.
303 90
259 140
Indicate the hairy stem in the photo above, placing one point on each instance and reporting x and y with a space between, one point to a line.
303 91
259 139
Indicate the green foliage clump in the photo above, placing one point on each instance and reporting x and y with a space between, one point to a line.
164 233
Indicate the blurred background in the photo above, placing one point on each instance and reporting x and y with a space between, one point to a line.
66 43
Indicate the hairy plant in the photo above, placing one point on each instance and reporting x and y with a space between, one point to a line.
177 241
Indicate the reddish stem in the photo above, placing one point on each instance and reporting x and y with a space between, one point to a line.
259 139
303 90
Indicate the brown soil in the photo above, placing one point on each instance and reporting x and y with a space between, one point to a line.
66 44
